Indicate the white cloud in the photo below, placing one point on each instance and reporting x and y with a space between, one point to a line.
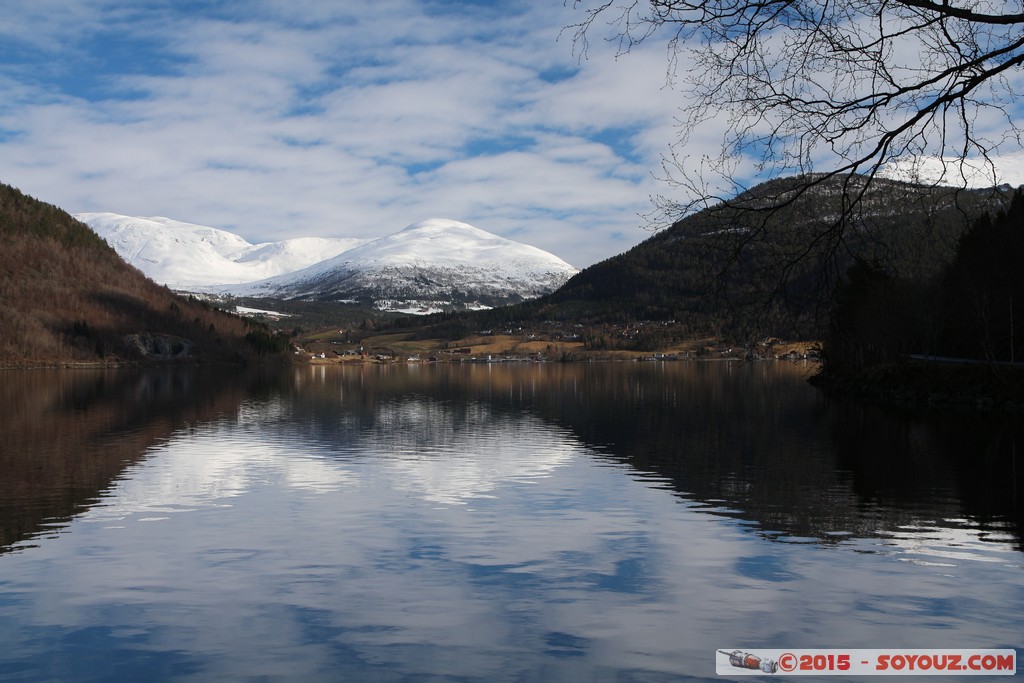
290 119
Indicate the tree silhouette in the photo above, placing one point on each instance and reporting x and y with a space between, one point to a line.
801 85
984 285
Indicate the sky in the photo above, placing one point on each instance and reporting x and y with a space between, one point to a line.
295 118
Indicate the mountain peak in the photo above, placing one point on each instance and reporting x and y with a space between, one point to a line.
438 224
433 264
438 260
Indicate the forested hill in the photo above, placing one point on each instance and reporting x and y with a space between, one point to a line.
66 296
743 269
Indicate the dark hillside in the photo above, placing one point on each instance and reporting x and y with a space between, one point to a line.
66 296
733 270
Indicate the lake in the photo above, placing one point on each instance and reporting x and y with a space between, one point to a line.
488 522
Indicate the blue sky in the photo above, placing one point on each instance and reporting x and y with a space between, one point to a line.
287 118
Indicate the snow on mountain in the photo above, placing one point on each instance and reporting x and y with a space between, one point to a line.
1007 169
430 265
192 257
436 262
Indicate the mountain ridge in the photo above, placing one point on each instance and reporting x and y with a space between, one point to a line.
434 264
784 261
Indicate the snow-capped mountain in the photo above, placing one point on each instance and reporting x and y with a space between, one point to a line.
191 257
430 265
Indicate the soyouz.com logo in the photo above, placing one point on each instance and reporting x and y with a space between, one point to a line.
861 662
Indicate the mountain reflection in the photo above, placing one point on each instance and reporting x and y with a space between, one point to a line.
749 441
67 436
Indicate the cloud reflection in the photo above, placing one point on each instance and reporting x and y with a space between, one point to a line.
384 533
423 448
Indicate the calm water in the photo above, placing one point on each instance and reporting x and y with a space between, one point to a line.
590 522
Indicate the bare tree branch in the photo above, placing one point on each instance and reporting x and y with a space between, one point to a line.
808 84
827 91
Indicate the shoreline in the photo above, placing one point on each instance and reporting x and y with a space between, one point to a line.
625 357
